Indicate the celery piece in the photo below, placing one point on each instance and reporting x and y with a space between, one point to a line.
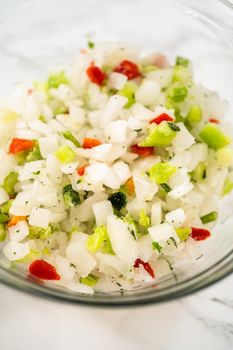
224 157
21 157
31 256
183 232
157 246
181 75
34 154
3 218
144 220
2 233
65 154
194 115
161 172
69 136
214 137
182 61
5 208
128 91
133 226
177 93
56 79
199 173
90 280
148 69
70 196
227 187
9 183
161 136
205 219
99 240
39 233
90 44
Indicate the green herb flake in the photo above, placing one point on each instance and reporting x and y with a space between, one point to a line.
69 136
157 246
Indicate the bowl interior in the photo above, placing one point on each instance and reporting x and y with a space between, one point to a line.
38 35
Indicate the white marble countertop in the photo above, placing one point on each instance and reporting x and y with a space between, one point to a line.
200 321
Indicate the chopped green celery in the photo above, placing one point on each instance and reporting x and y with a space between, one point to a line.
161 172
183 232
194 115
181 75
46 251
2 233
3 218
227 187
34 154
205 219
5 208
55 227
40 86
224 156
21 157
65 154
182 61
149 68
9 183
133 226
61 109
166 187
178 116
199 173
70 196
99 240
42 118
177 93
69 136
157 246
144 220
56 79
214 137
8 116
31 256
90 280
90 44
128 91
39 233
161 136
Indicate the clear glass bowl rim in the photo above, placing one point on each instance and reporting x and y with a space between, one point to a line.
215 273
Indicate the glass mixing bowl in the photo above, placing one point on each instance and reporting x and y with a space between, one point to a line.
38 34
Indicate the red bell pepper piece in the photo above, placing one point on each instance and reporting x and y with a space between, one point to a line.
146 266
214 120
81 170
96 75
200 234
20 145
161 118
43 270
129 69
90 143
142 151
